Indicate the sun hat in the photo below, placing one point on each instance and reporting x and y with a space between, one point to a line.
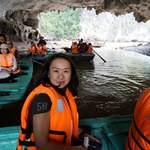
5 46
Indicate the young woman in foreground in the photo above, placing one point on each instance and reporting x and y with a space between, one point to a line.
49 118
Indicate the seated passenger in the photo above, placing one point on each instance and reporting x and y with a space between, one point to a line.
90 49
15 52
32 51
81 46
7 63
41 49
44 49
42 40
139 134
2 38
74 48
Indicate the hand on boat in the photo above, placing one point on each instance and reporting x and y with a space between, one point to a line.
91 142
7 69
92 138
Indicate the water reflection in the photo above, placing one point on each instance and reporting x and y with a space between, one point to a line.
85 66
112 88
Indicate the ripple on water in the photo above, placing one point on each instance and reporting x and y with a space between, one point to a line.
112 87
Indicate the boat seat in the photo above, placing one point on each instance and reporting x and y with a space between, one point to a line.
12 87
119 141
19 84
116 128
117 133
10 98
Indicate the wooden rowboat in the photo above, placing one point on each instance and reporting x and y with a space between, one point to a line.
75 57
38 58
79 57
111 130
13 91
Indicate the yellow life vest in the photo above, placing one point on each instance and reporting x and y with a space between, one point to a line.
139 132
63 120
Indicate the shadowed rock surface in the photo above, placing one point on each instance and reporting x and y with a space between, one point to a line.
20 20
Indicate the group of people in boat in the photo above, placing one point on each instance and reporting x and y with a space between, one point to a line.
38 49
81 47
52 99
9 60
10 57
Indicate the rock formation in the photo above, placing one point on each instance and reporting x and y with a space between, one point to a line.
19 18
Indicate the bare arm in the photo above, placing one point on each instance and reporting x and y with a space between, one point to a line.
41 131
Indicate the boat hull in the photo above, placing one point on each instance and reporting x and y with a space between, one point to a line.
39 58
111 130
81 57
13 91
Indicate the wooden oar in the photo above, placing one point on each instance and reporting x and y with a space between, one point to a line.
38 62
100 56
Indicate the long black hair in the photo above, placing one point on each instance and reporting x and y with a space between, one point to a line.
44 79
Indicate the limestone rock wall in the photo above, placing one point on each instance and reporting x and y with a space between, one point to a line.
19 18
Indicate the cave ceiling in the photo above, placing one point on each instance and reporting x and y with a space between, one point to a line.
19 18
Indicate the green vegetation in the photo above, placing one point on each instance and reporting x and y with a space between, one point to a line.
61 25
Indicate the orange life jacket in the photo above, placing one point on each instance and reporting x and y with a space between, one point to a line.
90 49
39 49
139 132
44 49
32 50
74 48
16 54
13 50
62 127
7 61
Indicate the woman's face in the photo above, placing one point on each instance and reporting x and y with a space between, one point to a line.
60 72
4 51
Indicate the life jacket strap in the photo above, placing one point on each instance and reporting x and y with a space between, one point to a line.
140 133
26 131
29 131
129 145
59 133
26 143
137 143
